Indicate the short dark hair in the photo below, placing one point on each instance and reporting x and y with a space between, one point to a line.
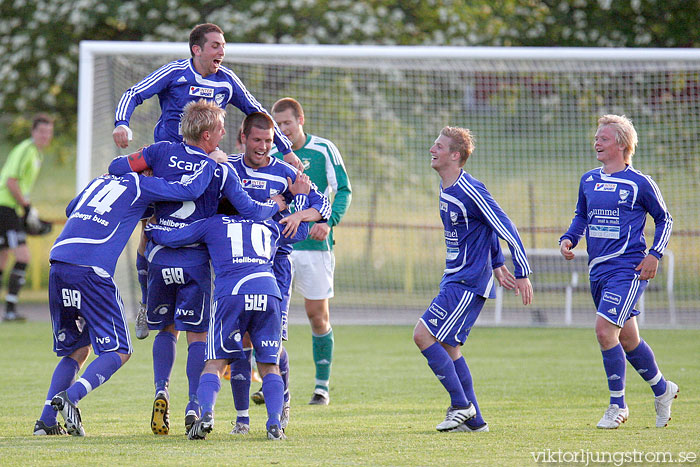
199 33
41 119
288 103
258 120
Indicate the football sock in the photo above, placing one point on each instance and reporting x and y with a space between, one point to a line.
240 385
465 377
273 388
63 377
142 273
164 348
440 362
195 366
96 374
615 366
323 356
15 283
209 386
284 371
642 360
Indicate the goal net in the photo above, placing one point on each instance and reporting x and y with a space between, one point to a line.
533 113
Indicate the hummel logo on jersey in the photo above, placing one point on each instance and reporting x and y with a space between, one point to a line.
254 184
182 79
614 377
590 178
433 321
201 92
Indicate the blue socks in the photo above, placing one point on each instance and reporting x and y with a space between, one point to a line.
284 371
241 372
164 349
98 372
63 377
465 377
615 366
273 389
642 359
195 366
440 362
209 386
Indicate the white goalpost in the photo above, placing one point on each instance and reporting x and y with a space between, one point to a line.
533 112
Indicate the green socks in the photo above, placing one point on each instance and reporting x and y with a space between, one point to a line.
323 356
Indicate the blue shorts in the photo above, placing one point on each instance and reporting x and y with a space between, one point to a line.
616 294
179 295
233 316
86 308
282 268
451 314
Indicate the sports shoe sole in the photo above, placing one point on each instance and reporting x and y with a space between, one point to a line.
160 423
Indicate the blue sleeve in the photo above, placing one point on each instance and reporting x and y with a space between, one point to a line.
119 166
246 206
175 238
320 202
139 92
244 100
497 258
188 189
499 222
653 202
71 205
578 224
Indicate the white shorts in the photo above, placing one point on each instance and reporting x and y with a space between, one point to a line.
312 273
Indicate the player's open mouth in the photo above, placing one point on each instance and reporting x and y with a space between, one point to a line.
217 62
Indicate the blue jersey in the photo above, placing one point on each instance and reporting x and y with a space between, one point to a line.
471 217
178 83
611 211
270 180
103 216
173 161
241 250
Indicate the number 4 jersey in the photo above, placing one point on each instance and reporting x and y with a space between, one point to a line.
103 216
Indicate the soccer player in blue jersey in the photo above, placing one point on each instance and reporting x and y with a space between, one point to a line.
246 299
86 308
263 176
471 218
179 280
613 203
176 84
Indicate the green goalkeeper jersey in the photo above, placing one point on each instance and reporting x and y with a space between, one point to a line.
23 163
324 166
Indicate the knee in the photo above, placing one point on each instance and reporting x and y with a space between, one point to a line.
421 337
606 337
124 357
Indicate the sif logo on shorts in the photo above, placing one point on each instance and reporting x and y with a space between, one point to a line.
201 92
437 310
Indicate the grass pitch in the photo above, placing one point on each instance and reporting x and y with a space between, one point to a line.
541 390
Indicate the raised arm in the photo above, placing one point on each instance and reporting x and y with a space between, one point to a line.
244 204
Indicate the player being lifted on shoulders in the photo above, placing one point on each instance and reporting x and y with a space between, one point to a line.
176 84
263 176
246 299
179 279
472 219
84 301
613 203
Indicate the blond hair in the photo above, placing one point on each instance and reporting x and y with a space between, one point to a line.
461 140
198 117
625 134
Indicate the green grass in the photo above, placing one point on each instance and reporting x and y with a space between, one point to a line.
539 389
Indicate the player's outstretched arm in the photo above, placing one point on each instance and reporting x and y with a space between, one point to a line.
523 287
